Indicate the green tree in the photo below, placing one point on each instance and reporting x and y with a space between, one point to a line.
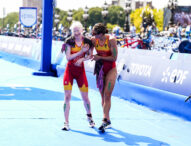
136 18
1 22
114 15
158 17
137 15
62 17
11 19
94 16
78 14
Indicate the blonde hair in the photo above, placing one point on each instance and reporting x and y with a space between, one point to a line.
76 24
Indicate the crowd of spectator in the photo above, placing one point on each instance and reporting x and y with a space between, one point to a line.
149 34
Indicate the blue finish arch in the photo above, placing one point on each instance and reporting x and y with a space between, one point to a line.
47 21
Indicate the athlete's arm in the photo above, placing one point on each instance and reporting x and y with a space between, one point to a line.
92 49
93 41
89 54
70 56
86 57
114 52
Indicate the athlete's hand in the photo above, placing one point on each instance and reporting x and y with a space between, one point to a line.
85 48
79 62
96 57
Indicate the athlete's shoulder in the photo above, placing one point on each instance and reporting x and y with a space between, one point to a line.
88 41
70 41
111 38
93 39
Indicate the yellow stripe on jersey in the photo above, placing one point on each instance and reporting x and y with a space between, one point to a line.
105 46
84 88
68 87
76 49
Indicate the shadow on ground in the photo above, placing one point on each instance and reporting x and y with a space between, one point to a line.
115 135
31 93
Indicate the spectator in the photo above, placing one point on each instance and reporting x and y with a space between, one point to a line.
133 30
188 30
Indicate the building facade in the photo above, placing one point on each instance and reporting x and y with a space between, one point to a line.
135 4
33 3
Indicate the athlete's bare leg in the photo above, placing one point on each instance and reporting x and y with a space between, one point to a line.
86 102
66 107
88 108
108 89
101 93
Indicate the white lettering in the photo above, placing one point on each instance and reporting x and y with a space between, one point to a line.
141 70
183 76
149 71
174 76
179 76
26 16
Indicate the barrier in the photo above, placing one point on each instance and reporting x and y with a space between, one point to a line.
21 60
158 80
27 47
156 99
158 71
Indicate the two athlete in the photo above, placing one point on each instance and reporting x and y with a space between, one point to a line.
105 69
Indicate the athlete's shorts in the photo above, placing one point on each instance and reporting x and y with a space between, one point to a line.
74 72
107 66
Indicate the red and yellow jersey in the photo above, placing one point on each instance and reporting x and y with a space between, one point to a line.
104 50
75 72
75 50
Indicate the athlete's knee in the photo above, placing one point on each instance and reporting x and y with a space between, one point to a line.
107 94
86 99
107 97
67 98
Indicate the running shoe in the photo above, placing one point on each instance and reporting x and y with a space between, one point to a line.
66 127
105 125
90 120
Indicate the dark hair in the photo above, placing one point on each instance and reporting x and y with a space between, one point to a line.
71 41
88 41
100 28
